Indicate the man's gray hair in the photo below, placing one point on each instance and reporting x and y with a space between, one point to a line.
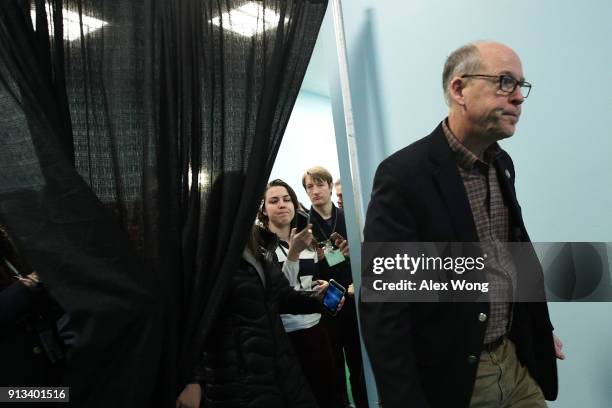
464 60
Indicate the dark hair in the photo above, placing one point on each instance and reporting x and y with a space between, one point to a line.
261 242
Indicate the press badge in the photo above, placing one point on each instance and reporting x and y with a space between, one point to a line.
333 256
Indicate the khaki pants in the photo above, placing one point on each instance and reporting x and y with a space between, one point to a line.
503 382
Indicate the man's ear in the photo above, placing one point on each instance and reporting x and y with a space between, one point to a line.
456 87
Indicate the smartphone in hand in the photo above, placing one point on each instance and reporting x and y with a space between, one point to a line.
333 296
301 221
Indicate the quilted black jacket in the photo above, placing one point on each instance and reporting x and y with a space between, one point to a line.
249 361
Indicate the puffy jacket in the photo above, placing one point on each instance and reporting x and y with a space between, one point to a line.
248 361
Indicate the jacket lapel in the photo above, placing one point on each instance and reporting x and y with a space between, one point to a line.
506 182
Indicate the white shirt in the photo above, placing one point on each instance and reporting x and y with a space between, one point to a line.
300 282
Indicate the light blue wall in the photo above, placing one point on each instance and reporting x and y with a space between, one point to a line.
563 146
309 141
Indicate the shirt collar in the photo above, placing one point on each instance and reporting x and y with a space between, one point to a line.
466 159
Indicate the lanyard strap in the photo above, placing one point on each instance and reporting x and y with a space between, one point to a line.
334 216
282 248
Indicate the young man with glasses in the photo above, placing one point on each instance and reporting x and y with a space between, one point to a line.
457 185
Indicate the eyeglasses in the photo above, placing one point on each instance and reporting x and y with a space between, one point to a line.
507 83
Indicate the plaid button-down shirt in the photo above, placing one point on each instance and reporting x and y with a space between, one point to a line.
492 220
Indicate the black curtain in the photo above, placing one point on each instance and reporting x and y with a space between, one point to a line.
133 152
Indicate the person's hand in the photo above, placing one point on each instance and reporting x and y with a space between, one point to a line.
320 287
320 252
558 348
30 281
341 243
351 290
299 241
190 397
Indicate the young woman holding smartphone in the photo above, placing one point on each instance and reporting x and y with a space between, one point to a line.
298 259
250 361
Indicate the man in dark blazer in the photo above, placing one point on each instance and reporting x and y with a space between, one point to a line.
457 185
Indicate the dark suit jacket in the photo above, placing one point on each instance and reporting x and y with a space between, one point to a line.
425 354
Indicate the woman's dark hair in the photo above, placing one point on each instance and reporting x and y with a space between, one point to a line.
261 242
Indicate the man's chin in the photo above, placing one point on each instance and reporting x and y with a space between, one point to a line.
510 130
504 132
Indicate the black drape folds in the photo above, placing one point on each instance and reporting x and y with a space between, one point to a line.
136 138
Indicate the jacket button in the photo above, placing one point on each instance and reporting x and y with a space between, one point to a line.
472 359
482 317
36 350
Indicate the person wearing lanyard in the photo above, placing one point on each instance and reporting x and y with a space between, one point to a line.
299 263
329 230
